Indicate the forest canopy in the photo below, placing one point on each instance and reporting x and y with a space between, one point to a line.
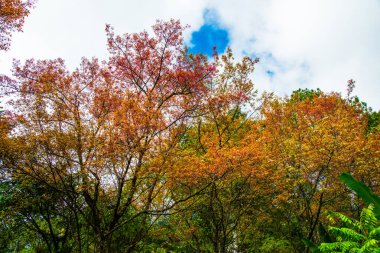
159 150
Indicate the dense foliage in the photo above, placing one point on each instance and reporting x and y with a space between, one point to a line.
158 150
352 235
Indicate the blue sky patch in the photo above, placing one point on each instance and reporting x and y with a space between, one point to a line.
209 35
270 73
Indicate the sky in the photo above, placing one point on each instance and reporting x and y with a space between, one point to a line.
301 43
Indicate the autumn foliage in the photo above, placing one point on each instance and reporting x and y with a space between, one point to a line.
157 149
12 17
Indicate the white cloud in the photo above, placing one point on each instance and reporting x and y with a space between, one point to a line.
72 29
306 43
315 43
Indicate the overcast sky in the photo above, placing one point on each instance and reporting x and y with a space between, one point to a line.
301 43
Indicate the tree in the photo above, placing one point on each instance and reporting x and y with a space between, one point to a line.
310 139
35 211
102 136
216 156
12 17
159 150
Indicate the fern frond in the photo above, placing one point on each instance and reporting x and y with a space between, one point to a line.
368 218
375 233
339 247
346 221
370 246
346 234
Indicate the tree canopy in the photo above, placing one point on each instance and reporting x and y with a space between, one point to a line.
159 150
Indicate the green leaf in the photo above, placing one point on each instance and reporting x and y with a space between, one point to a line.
363 192
371 245
375 233
313 248
339 247
347 234
368 219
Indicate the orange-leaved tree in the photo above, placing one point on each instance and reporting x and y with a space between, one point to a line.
102 135
310 139
12 17
216 155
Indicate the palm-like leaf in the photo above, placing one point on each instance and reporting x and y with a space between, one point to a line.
363 192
